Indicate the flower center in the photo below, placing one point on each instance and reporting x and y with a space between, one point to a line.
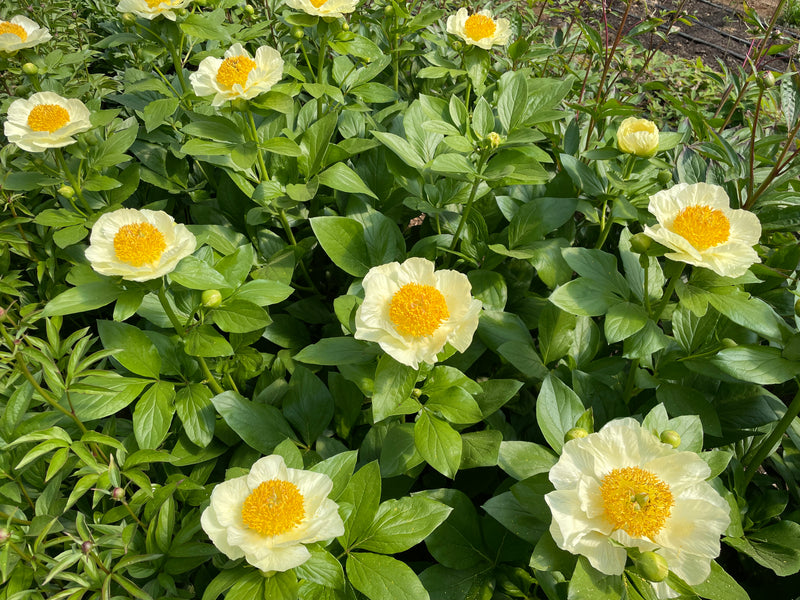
47 117
479 26
235 70
636 501
318 3
157 3
702 226
13 29
139 244
274 507
418 310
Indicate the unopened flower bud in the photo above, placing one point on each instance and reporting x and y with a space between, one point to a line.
388 10
664 177
297 32
640 243
346 26
494 139
797 307
457 45
30 69
416 393
729 343
211 298
248 8
652 566
768 79
182 12
128 18
118 493
86 547
67 191
671 437
575 434
5 535
638 137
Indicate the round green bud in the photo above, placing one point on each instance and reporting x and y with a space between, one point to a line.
729 343
118 493
575 433
768 79
388 10
211 298
457 45
182 12
671 437
129 18
248 8
797 307
664 177
298 33
652 566
640 243
5 535
30 69
67 191
346 26
416 393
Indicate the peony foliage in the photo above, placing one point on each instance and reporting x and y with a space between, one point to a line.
335 300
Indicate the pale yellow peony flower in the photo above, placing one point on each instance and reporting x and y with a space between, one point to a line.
267 516
20 32
479 29
45 120
623 488
638 136
324 8
238 75
696 222
412 311
139 245
150 9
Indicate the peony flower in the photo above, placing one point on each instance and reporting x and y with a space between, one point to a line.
20 32
696 222
268 515
412 311
238 75
638 136
324 8
138 244
623 488
479 29
45 120
150 9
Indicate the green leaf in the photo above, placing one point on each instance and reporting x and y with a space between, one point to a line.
482 118
582 176
523 510
776 547
206 26
623 320
438 443
381 577
308 405
393 385
193 404
525 459
361 497
264 292
110 394
338 351
83 298
753 313
322 568
401 524
205 341
402 148
720 586
158 111
261 426
240 316
398 451
558 409
153 414
455 404
757 364
457 543
134 350
343 241
341 177
339 468
480 448
588 583
585 297
513 100
196 274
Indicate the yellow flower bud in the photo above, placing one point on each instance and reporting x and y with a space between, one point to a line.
494 139
575 433
638 136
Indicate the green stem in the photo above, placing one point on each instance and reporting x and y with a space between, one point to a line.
630 380
606 224
470 201
262 167
212 381
323 46
290 234
772 439
646 293
59 154
673 281
628 169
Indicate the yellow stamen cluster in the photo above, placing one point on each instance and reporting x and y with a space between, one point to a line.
14 29
139 244
636 501
156 3
235 70
318 3
274 507
479 26
702 226
418 310
47 117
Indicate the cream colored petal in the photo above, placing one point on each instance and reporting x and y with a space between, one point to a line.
730 260
416 270
678 470
266 469
695 525
502 34
464 331
314 487
218 534
281 559
745 227
227 499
